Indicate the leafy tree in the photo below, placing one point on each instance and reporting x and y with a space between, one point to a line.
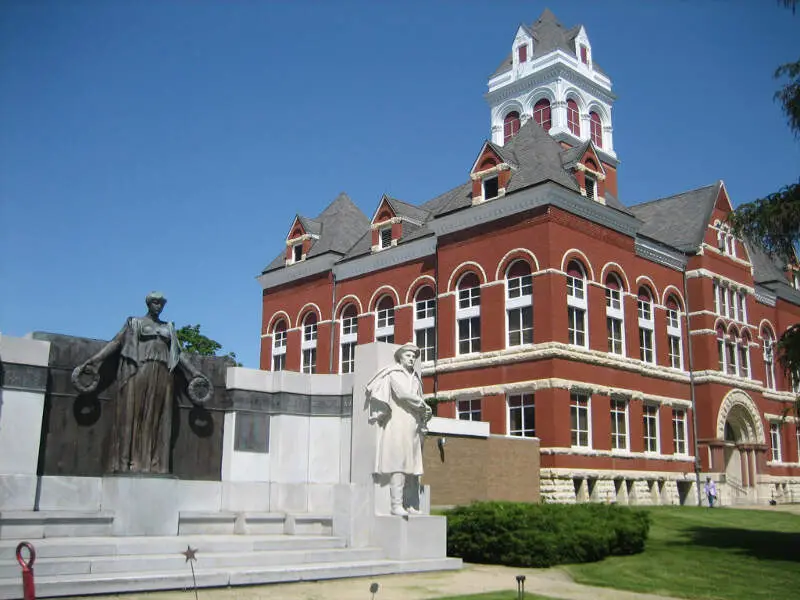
773 223
194 342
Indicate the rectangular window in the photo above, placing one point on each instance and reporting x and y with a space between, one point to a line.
675 358
348 357
619 425
575 287
279 339
522 53
775 441
426 342
672 318
469 297
491 188
645 309
426 309
386 318
521 415
579 420
730 356
650 422
310 332
520 326
297 252
279 362
310 360
723 301
679 432
591 186
349 325
388 338
646 345
386 237
469 335
744 359
613 299
279 350
731 304
584 55
614 327
520 286
469 410
576 326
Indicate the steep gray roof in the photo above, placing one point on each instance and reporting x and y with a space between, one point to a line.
548 35
404 209
768 272
311 226
338 227
679 221
571 156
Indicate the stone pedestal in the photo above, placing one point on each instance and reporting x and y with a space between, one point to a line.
413 537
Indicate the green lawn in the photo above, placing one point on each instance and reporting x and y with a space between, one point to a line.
708 554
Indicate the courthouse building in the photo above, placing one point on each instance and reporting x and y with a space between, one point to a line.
632 340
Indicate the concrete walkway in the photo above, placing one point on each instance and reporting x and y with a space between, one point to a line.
472 579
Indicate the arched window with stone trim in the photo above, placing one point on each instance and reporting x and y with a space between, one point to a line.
541 114
519 304
279 345
573 118
468 314
674 333
744 355
721 346
615 315
596 129
647 352
348 338
577 305
510 125
308 344
384 320
425 323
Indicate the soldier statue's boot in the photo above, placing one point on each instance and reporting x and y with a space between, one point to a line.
396 484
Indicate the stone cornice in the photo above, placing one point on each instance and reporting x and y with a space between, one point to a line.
299 270
660 255
764 296
388 257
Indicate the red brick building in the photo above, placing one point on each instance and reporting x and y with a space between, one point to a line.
634 341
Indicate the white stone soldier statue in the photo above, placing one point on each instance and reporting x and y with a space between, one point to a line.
396 406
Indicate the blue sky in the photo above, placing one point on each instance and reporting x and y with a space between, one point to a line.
168 145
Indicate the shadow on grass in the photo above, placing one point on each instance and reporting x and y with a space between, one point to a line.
764 545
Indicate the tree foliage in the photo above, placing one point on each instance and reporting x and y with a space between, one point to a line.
194 342
773 223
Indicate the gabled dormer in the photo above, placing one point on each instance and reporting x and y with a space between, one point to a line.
302 235
522 48
585 164
490 174
392 220
583 49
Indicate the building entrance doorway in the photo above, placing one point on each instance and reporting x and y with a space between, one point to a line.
739 427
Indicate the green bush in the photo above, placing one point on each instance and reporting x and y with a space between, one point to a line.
543 535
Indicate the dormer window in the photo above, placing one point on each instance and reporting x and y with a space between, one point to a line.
584 55
522 53
386 237
491 188
297 252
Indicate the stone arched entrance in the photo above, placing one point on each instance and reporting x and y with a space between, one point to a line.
740 440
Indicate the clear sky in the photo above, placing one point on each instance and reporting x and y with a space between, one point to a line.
168 145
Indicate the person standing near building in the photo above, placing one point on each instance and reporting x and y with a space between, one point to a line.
711 491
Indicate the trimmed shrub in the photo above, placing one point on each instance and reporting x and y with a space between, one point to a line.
543 535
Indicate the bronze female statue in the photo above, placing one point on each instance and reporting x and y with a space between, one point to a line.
149 352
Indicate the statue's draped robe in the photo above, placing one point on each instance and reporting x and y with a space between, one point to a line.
140 437
395 401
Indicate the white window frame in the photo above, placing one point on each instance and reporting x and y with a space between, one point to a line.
650 412
297 256
731 352
743 357
526 401
647 326
348 337
279 340
468 308
577 301
425 326
717 305
581 403
382 237
620 415
468 409
675 337
384 321
680 443
615 312
775 441
731 303
519 300
308 346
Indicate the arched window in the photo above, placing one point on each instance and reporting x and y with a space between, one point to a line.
674 334
468 314
510 125
615 315
744 355
308 345
519 304
769 358
348 338
384 320
425 323
646 325
577 307
596 129
573 118
279 346
541 113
